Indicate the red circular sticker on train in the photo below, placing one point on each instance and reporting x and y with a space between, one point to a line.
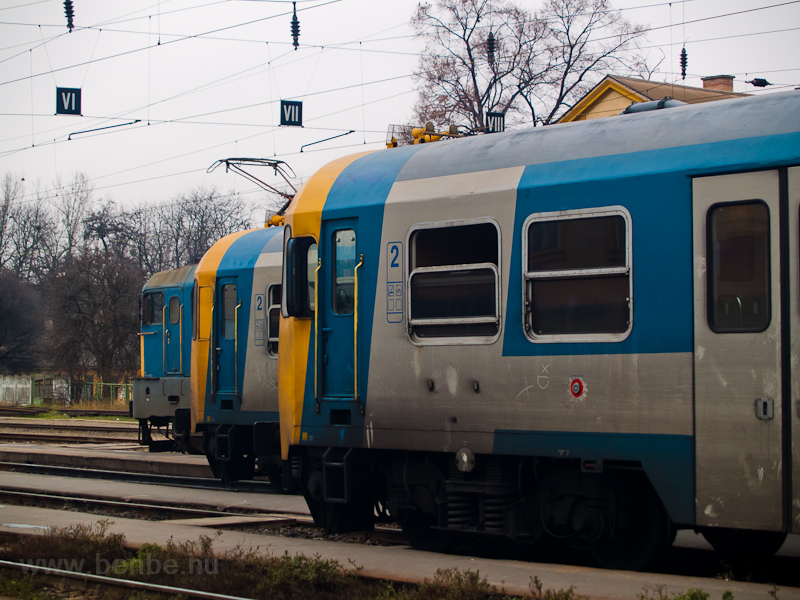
576 387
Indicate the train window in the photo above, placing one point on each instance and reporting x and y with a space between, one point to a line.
738 267
229 302
153 308
274 319
454 284
194 310
299 266
174 310
344 257
577 276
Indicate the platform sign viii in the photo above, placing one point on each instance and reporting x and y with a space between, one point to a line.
394 282
291 113
68 101
496 122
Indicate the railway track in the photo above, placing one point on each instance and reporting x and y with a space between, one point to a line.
68 432
196 513
199 483
21 411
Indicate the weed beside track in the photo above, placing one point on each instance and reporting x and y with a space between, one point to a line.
241 572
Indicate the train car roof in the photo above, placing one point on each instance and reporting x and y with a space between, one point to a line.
691 125
701 138
171 278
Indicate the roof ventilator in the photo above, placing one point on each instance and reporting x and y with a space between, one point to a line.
667 102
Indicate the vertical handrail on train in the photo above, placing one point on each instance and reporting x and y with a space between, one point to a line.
236 349
213 352
164 311
355 333
180 334
316 333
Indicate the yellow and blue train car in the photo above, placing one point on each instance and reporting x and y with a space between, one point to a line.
163 384
585 331
234 354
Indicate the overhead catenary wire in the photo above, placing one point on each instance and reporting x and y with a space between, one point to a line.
185 119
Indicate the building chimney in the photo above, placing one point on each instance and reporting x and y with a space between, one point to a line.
720 83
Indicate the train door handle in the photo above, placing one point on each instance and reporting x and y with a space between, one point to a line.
765 409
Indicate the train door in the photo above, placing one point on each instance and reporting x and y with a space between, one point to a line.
173 334
226 340
742 318
152 334
338 252
793 185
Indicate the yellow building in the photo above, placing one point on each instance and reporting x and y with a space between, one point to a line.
615 93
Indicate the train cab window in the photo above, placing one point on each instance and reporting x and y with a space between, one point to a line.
153 308
344 257
299 267
454 282
738 267
229 302
174 310
273 319
578 276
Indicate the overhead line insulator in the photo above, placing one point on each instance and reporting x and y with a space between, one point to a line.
295 26
68 10
684 62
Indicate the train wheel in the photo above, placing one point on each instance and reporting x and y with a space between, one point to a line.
744 544
420 533
642 533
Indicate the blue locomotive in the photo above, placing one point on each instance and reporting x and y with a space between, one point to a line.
584 331
163 384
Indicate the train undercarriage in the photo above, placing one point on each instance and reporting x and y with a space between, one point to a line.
613 511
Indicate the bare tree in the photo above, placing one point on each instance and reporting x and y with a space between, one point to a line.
94 304
541 63
181 232
30 236
20 323
12 189
71 206
588 39
461 79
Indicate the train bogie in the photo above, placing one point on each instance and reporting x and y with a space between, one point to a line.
583 332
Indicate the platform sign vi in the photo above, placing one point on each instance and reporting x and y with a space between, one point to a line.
68 101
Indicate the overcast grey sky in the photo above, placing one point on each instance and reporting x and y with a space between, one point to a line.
211 88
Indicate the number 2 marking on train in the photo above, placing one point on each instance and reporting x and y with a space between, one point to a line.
394 250
259 301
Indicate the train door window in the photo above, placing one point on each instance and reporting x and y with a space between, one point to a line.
344 257
229 301
194 311
578 276
273 319
153 308
174 310
299 267
454 282
738 267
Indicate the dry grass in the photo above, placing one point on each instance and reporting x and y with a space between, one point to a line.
239 572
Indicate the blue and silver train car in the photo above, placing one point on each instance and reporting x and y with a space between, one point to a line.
163 384
585 331
234 355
